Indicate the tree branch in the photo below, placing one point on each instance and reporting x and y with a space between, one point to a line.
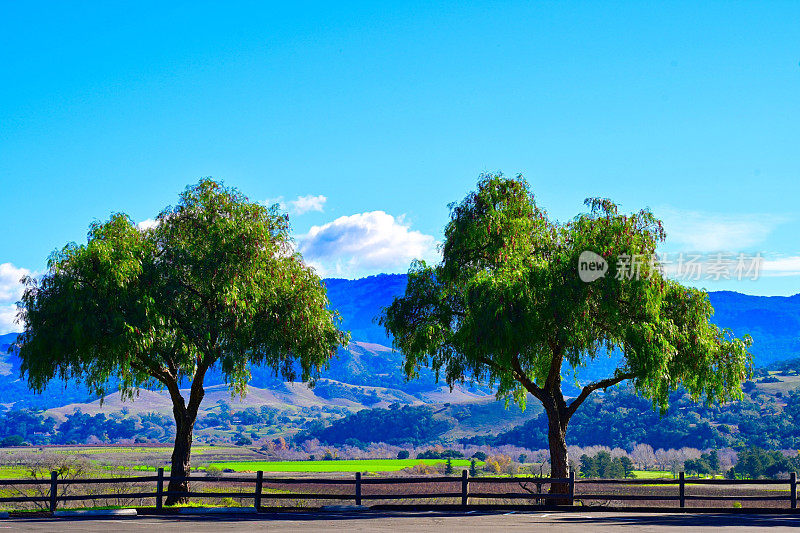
169 381
591 387
528 383
554 374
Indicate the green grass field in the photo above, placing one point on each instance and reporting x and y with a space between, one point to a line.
123 450
12 472
361 465
652 474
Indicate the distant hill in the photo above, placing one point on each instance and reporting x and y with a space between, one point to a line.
360 301
774 323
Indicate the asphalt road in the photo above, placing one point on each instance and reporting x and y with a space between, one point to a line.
420 522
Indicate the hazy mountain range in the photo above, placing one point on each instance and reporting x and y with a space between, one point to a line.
774 323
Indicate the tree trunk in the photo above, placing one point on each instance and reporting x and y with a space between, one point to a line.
185 416
181 458
559 458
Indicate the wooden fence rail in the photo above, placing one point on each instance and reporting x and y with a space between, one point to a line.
470 489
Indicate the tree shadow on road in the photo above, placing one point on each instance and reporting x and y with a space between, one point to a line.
690 521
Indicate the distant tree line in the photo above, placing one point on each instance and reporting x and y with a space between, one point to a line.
26 426
755 463
620 419
32 426
396 425
603 465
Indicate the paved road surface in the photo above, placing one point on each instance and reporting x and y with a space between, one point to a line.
421 522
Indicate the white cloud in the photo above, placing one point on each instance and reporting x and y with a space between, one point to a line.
147 224
10 291
304 204
709 232
10 287
363 244
781 266
8 317
300 205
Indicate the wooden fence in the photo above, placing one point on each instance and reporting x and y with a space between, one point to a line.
471 489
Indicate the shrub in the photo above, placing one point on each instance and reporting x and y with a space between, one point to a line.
440 454
499 464
12 440
480 456
422 469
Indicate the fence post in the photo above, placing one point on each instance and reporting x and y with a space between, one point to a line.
464 488
572 487
358 488
160 490
259 487
53 490
682 489
793 489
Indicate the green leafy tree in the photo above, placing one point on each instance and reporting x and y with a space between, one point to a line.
627 466
506 306
215 284
589 466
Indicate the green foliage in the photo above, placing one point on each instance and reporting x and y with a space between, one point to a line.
754 463
403 454
355 465
706 464
622 419
330 389
506 305
406 425
12 440
602 465
215 283
479 455
440 454
27 424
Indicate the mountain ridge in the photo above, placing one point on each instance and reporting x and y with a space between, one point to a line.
774 322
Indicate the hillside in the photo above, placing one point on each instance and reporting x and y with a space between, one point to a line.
774 323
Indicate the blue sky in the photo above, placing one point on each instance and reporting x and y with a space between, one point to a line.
367 119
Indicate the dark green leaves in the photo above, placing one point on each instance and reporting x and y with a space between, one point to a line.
506 304
216 282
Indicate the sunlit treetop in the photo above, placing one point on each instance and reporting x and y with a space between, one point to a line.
215 283
506 304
